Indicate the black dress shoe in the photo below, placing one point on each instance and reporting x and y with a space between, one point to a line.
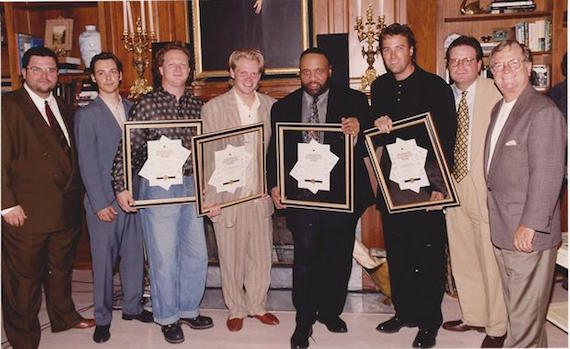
300 337
198 323
334 324
425 338
101 334
173 333
143 316
493 342
393 325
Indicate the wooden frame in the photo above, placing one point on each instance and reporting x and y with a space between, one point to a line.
204 168
59 33
130 179
421 129
287 143
288 35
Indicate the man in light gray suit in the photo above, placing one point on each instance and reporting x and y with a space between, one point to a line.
243 232
112 232
524 157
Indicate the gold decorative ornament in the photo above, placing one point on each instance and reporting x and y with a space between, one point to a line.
139 44
372 37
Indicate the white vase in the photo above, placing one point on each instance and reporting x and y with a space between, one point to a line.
89 44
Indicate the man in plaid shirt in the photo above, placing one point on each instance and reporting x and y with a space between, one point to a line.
174 234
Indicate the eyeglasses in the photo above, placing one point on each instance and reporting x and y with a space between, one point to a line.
38 70
514 64
455 62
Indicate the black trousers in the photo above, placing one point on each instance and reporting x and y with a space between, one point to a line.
323 245
415 245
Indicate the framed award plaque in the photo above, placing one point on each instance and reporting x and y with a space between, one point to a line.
315 166
410 165
229 167
158 152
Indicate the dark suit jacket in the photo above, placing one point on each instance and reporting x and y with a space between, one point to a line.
342 102
98 136
35 171
526 171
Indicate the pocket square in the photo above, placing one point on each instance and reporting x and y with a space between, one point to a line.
511 143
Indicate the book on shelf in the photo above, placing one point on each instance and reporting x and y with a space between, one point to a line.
516 3
540 77
69 60
26 42
70 71
537 36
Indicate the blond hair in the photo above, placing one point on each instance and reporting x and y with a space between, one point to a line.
247 53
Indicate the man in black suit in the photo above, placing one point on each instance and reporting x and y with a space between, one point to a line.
323 240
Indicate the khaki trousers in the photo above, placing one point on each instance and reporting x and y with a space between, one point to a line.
473 263
244 251
527 282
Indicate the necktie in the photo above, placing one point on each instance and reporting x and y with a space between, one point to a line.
313 119
460 153
58 133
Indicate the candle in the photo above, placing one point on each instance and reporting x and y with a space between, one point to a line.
150 17
143 20
130 14
125 15
358 7
381 7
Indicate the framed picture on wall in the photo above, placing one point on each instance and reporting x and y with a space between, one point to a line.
279 29
59 33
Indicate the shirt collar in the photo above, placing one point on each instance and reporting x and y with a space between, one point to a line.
36 98
470 90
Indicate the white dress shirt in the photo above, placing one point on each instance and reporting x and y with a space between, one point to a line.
40 104
504 112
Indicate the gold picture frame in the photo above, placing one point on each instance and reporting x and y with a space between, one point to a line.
282 52
205 149
131 174
59 34
421 130
340 196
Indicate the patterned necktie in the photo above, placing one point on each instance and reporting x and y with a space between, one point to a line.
313 119
58 133
460 154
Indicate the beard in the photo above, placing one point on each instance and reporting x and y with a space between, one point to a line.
318 90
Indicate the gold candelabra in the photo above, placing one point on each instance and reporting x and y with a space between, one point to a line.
139 44
372 37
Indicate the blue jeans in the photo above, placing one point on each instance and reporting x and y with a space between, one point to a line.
176 250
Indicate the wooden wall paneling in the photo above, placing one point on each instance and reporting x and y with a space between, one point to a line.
559 38
422 18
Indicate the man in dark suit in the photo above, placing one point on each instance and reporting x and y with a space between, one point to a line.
323 240
524 157
40 205
112 232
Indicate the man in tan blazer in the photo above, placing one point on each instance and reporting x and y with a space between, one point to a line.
525 150
244 232
472 259
41 205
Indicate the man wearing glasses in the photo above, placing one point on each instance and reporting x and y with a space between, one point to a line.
41 205
524 169
473 262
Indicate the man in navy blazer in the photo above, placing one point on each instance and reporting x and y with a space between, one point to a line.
112 232
323 240
524 157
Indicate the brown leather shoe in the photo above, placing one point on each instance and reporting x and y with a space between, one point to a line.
234 324
460 326
84 323
493 342
267 318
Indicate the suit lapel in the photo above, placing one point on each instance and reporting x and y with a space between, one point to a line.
480 121
511 120
43 132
